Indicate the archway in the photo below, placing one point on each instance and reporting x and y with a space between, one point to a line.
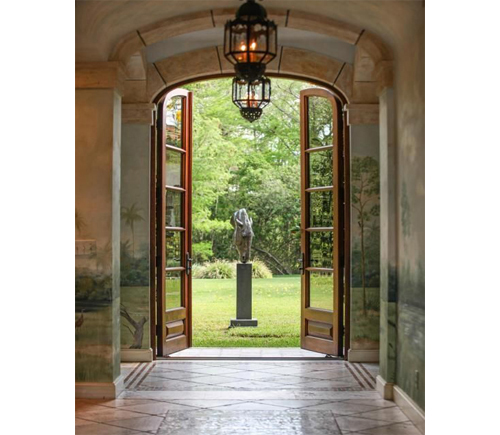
356 83
316 328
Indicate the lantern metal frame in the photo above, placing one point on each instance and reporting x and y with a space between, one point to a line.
246 51
251 97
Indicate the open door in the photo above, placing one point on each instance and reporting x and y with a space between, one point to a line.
173 245
322 222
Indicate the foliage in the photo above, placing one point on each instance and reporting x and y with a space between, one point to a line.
93 287
260 270
222 269
219 269
133 271
131 215
241 165
202 252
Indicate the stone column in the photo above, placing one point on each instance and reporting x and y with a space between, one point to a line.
97 223
244 296
137 120
363 121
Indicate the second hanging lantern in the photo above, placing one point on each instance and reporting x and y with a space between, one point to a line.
251 97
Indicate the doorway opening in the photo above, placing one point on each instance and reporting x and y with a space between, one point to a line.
287 171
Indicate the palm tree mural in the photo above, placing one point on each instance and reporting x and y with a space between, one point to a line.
131 215
80 224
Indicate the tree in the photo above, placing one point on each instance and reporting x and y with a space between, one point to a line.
365 195
80 223
131 215
138 332
256 166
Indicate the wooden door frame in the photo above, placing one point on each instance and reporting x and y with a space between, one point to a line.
342 100
158 265
308 313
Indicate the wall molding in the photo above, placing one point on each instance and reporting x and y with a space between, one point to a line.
389 391
99 390
384 388
410 408
361 355
362 113
138 113
136 355
100 75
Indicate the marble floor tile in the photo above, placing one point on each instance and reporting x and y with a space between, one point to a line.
244 396
144 424
214 380
292 403
204 403
343 408
394 429
393 414
102 414
292 422
353 424
104 429
152 408
377 402
249 406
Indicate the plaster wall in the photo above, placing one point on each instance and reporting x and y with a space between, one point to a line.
410 121
97 223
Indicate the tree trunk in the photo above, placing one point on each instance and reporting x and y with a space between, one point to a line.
281 268
363 279
138 332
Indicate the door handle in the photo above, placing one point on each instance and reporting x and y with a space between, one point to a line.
302 267
189 261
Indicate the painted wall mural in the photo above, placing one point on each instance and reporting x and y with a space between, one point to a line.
96 248
134 244
365 238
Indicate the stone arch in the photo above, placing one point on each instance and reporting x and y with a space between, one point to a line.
359 79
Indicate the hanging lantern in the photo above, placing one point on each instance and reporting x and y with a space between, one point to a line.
250 41
251 97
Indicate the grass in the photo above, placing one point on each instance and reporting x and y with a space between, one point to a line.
276 305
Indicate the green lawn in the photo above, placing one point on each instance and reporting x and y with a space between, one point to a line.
276 305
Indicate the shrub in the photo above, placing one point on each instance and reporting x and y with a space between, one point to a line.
202 252
218 269
222 269
260 270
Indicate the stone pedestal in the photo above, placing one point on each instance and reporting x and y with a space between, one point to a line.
243 296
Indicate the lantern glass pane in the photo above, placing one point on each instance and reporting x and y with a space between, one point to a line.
258 45
239 42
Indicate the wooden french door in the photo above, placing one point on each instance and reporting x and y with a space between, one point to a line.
173 202
322 222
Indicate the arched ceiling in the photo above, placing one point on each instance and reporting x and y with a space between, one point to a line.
101 24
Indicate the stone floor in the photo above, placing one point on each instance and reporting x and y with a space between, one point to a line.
261 397
246 352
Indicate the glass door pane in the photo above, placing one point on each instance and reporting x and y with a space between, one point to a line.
173 122
320 113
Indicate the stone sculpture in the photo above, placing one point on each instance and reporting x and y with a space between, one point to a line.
243 234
